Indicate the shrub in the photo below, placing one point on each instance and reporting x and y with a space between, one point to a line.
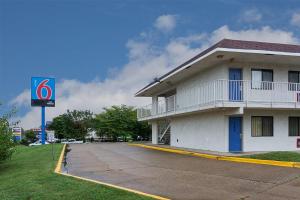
24 142
6 137
30 136
6 140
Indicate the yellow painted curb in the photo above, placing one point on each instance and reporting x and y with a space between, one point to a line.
224 158
257 161
178 151
60 160
117 187
297 165
58 171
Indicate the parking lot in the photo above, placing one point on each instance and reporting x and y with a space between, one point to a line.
180 176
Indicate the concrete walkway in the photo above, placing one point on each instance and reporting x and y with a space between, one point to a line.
180 176
217 153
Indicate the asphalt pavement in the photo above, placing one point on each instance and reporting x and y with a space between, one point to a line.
178 176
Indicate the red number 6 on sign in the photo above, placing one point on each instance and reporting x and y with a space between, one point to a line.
39 91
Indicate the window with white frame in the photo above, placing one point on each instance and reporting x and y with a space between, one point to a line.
261 126
294 123
262 79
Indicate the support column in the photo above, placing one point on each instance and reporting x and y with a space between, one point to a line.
154 105
154 125
43 126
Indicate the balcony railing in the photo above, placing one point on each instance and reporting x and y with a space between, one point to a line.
226 93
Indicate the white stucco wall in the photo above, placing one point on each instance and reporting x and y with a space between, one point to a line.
198 80
280 72
209 131
206 131
280 140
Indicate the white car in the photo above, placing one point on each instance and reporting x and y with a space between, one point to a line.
72 141
37 143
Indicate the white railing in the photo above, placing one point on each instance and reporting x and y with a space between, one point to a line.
145 111
225 91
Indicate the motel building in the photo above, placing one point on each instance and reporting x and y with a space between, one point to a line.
236 96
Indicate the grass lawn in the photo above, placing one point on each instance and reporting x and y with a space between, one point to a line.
279 156
29 175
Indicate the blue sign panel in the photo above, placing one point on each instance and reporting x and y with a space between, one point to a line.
17 138
42 91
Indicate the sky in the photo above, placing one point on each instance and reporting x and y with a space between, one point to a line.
102 52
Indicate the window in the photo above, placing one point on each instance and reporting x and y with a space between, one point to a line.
294 80
262 79
261 126
294 123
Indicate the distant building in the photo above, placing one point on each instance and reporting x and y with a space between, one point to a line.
92 134
50 136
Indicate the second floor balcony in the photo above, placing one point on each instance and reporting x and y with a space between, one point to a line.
225 93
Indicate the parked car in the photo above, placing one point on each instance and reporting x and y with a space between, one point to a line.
37 143
71 141
141 138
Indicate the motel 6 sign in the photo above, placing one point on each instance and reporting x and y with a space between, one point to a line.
42 92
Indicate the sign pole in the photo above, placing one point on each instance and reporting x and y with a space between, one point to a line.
43 125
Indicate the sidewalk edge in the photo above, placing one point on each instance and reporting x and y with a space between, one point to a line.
223 158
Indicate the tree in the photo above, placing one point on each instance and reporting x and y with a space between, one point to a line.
6 138
114 122
73 124
30 136
120 121
62 126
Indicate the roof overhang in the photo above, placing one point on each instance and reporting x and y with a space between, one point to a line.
213 58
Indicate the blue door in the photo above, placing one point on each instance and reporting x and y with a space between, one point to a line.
235 85
235 130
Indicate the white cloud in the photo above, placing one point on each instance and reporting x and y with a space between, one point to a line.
146 61
165 23
251 15
295 19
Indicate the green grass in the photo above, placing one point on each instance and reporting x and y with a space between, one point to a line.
279 156
29 175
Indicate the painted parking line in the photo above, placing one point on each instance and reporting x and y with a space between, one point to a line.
58 171
223 158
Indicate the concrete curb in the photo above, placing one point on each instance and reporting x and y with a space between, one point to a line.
58 171
224 158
